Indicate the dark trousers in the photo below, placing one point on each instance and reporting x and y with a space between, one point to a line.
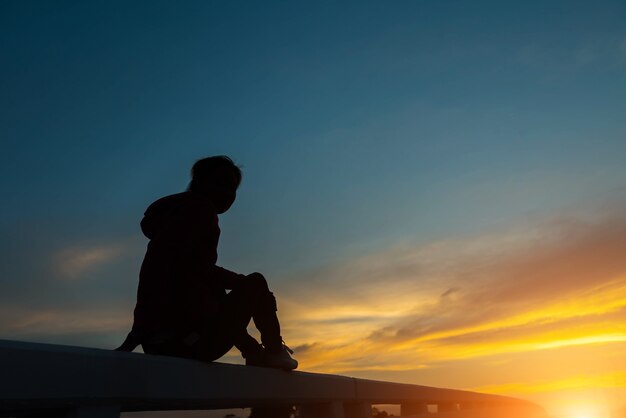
251 299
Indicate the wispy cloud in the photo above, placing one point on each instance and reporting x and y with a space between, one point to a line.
22 321
73 262
553 284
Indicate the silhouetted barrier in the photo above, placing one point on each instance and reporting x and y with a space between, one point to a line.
63 381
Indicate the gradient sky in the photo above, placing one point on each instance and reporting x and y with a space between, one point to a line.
434 189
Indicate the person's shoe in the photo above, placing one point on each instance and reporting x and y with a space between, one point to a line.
280 359
256 358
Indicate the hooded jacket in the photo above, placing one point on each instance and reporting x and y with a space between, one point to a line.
180 286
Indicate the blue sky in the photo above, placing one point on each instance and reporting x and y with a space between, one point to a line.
361 127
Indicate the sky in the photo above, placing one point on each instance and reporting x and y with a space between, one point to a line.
435 190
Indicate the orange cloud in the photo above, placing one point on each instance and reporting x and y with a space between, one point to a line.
538 287
74 262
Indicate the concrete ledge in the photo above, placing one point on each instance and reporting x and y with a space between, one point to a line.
53 376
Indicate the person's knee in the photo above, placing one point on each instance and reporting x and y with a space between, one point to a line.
257 282
257 285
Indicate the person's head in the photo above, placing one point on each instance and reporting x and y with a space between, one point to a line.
218 178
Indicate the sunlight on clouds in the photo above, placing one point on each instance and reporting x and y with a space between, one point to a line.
543 305
605 299
371 355
552 285
350 312
588 339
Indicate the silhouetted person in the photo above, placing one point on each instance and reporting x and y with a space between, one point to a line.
183 307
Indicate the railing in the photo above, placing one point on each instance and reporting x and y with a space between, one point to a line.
63 381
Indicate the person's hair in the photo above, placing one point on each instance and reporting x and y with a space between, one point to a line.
218 170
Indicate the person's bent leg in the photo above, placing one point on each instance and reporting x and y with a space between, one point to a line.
234 318
264 314
254 297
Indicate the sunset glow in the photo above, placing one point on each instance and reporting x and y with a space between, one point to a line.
434 190
517 330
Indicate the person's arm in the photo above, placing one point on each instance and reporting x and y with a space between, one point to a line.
225 278
205 239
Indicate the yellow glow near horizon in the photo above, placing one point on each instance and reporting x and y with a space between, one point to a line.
612 379
585 411
585 414
590 317
533 330
604 299
561 347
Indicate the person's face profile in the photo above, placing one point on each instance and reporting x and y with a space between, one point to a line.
225 193
224 199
